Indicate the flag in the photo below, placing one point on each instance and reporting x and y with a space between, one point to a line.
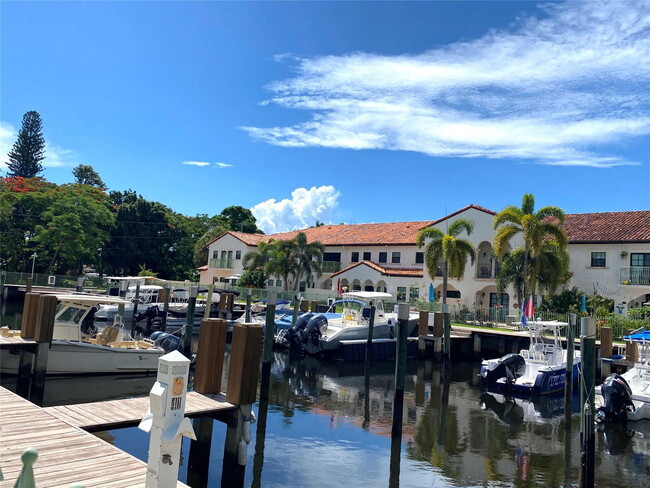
524 322
338 287
530 309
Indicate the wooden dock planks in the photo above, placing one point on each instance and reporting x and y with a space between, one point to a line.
113 413
66 453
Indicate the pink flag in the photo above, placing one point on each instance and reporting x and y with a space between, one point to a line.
530 308
338 287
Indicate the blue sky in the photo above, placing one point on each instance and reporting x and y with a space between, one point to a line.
343 112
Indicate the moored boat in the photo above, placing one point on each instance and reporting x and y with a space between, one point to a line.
538 370
627 397
76 350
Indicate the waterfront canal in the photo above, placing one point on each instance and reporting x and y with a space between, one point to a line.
326 428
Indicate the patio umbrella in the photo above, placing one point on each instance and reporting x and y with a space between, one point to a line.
583 304
432 297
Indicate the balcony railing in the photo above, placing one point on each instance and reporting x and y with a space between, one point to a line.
331 266
635 275
223 263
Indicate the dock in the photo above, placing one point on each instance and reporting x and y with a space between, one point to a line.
68 453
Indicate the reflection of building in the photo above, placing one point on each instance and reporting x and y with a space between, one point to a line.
610 254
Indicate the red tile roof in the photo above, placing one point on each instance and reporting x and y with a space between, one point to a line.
385 271
608 227
248 239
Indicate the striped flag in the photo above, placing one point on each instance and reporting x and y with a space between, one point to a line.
530 309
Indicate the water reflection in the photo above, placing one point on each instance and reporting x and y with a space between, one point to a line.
323 426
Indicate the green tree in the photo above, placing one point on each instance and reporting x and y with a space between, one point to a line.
309 258
253 278
283 261
260 258
86 175
548 270
240 219
74 226
536 228
29 149
214 227
450 248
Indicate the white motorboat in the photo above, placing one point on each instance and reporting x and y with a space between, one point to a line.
538 370
627 396
346 320
73 351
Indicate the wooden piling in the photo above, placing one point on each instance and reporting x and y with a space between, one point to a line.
438 324
447 342
588 358
269 328
568 376
313 306
423 323
244 364
304 306
631 351
208 301
28 285
606 341
199 458
477 345
30 309
210 354
368 358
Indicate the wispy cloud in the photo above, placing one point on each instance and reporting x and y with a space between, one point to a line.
55 156
301 210
562 90
223 165
196 163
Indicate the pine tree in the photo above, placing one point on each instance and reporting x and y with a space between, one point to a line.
29 149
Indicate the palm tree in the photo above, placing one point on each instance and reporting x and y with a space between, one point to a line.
537 229
282 261
449 247
309 257
550 270
259 259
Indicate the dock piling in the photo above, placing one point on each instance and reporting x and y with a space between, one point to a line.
189 322
209 357
587 433
423 330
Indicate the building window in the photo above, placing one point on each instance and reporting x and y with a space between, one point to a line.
598 259
396 258
223 254
453 294
355 257
419 258
215 254
356 287
367 256
278 283
237 254
640 259
270 282
414 293
401 293
383 257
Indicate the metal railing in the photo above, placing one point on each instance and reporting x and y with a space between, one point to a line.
331 266
54 281
221 263
634 275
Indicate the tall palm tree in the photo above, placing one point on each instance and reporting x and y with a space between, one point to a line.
449 247
309 257
283 262
536 228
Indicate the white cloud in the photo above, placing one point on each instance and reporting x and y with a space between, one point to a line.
196 163
223 165
55 156
302 210
554 91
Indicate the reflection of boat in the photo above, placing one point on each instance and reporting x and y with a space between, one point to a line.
627 396
539 370
346 320
515 410
74 352
70 390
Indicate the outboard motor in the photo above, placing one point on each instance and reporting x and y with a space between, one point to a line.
296 334
617 396
168 342
315 328
510 367
151 313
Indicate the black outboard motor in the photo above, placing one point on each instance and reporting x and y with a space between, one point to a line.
316 327
151 314
617 396
295 333
168 342
510 367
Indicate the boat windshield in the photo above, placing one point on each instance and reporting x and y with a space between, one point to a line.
66 312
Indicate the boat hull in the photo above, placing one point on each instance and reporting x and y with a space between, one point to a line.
547 381
68 358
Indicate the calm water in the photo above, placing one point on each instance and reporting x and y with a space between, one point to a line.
324 430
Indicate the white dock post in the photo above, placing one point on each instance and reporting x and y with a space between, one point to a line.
166 421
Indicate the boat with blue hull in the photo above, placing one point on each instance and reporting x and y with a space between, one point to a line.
538 370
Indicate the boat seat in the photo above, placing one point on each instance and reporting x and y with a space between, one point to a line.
108 335
366 313
525 353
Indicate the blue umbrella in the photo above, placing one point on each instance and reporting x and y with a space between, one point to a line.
583 304
431 295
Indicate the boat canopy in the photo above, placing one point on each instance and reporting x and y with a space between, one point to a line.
348 301
90 300
641 335
368 295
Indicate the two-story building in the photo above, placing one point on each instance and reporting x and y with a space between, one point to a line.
610 255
